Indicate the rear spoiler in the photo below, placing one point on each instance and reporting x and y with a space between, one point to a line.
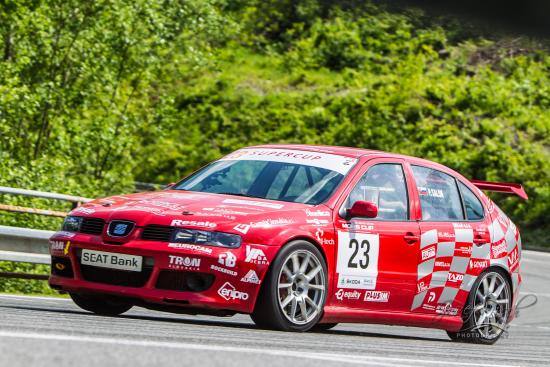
505 187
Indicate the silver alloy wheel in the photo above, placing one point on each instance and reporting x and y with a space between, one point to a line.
491 305
301 287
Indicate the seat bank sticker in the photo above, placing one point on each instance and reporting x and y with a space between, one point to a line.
333 162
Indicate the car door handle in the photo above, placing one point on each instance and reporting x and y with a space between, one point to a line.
411 238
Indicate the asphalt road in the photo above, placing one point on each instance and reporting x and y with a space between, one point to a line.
39 331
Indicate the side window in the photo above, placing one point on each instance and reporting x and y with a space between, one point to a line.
439 198
383 185
474 209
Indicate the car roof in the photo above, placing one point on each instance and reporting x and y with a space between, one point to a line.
343 151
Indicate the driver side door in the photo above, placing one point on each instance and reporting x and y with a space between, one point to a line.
377 257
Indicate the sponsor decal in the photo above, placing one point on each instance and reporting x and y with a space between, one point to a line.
352 295
377 296
462 225
317 213
464 250
161 204
421 287
513 257
442 264
254 203
446 310
145 209
455 277
431 297
243 228
197 223
498 250
445 236
57 245
357 226
317 222
82 209
359 282
255 256
323 241
229 292
223 270
183 262
66 248
111 260
479 264
251 277
227 259
428 253
190 246
428 307
271 222
427 191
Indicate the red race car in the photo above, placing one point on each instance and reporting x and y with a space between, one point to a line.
302 237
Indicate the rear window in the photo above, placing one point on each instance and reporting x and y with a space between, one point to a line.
472 205
438 192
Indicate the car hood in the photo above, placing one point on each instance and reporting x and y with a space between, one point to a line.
191 209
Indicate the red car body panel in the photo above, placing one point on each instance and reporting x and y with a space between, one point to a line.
424 270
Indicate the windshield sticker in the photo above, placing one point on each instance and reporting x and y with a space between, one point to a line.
333 162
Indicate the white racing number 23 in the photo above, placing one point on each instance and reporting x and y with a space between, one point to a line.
357 263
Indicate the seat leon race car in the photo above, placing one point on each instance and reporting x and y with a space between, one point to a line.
302 237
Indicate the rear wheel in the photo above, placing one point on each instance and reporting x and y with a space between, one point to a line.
101 305
294 292
486 312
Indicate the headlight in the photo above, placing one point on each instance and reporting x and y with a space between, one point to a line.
71 224
207 238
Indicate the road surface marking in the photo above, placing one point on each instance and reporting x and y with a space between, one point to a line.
365 360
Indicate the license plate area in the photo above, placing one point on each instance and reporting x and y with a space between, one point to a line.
111 260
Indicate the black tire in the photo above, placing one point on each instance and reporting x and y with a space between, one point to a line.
269 312
324 327
101 305
470 331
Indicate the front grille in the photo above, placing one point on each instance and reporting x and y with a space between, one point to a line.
92 226
116 277
157 233
61 266
184 281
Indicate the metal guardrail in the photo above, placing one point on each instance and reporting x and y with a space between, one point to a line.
28 245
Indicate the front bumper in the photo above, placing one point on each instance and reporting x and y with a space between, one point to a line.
235 274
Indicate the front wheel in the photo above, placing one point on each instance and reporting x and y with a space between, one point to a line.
486 312
294 291
101 305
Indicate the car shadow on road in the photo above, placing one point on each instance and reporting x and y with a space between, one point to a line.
225 323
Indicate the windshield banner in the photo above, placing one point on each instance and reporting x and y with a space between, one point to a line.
333 162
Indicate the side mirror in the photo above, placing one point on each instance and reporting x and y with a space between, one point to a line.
364 209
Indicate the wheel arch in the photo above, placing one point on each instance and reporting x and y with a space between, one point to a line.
504 271
286 243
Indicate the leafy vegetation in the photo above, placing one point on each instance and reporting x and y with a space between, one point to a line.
97 95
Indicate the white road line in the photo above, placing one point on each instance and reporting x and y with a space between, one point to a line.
342 358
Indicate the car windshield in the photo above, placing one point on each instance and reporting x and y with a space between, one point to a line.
253 175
